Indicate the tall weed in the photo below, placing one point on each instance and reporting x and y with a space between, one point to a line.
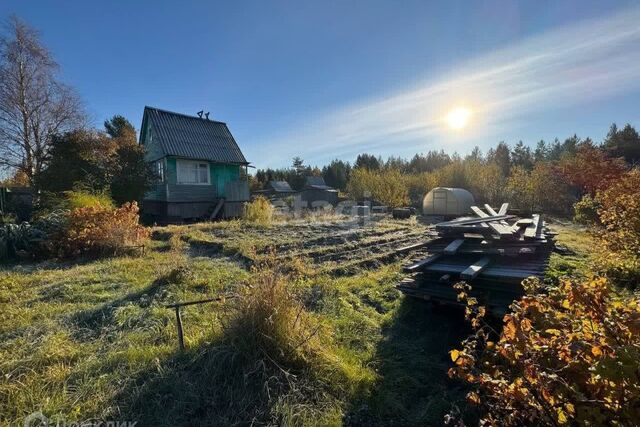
259 212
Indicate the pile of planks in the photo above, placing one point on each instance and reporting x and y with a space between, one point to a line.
493 251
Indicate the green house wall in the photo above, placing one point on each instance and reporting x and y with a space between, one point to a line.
221 174
172 170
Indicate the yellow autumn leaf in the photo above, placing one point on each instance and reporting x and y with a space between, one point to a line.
562 417
454 355
566 304
596 351
509 330
548 396
473 397
570 408
553 331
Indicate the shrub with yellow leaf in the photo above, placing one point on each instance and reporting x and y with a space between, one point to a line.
386 186
619 211
258 212
568 355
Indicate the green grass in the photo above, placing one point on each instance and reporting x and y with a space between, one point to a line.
577 239
93 340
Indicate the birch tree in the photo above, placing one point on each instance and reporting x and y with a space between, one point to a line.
34 104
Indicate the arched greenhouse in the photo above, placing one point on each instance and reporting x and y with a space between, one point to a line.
447 202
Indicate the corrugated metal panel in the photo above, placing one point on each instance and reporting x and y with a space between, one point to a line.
281 186
317 183
315 180
193 138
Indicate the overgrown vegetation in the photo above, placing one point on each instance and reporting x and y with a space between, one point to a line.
258 212
388 187
619 214
29 241
566 355
100 230
85 199
94 340
95 230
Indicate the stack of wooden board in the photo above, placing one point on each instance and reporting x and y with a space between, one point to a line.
492 251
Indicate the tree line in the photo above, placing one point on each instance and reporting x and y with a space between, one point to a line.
550 176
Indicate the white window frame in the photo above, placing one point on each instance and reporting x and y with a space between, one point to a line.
185 167
159 169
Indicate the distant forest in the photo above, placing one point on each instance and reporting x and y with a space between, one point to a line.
623 142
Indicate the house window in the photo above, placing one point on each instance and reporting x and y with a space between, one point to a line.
159 169
193 172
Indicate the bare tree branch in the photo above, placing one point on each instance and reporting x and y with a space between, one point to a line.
34 106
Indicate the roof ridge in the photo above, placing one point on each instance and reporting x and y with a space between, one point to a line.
182 114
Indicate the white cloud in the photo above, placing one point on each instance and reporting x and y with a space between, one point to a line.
585 61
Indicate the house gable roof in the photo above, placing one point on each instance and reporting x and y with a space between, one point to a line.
281 186
317 183
191 137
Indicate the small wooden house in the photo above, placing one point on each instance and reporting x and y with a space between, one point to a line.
200 169
278 189
316 192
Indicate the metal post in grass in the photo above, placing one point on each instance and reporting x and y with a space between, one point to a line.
177 306
179 325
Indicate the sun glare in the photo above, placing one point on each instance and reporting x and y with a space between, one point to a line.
458 118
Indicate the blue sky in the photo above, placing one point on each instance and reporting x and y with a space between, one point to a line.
330 79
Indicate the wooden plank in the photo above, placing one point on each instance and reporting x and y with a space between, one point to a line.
540 228
474 269
214 214
479 212
412 247
422 263
490 210
532 229
452 247
524 221
473 221
503 209
501 229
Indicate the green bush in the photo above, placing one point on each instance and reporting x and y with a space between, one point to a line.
18 239
586 211
7 218
84 199
30 240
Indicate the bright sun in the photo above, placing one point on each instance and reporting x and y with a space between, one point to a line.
458 118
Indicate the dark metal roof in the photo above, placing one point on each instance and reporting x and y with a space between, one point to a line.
192 137
281 186
317 183
315 180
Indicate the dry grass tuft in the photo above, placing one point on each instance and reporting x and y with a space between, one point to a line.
269 322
